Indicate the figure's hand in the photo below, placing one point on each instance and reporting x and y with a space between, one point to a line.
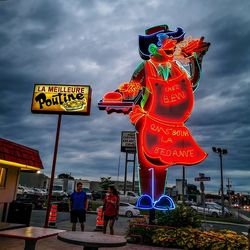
198 46
129 90
136 114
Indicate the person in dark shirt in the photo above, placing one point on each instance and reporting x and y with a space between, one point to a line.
110 209
78 207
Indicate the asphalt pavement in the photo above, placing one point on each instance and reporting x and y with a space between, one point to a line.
121 226
63 221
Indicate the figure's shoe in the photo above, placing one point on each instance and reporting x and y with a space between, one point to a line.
144 202
164 203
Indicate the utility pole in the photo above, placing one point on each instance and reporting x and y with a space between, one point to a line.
222 185
229 192
221 151
119 162
183 184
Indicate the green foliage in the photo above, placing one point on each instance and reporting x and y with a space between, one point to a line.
186 237
139 226
190 238
94 205
106 182
65 176
182 216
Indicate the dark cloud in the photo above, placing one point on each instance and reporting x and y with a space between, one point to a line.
96 43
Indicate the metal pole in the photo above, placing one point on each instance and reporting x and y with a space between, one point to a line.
151 216
125 175
222 185
119 161
53 170
229 192
133 181
183 184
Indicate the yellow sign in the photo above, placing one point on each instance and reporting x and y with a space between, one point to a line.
61 99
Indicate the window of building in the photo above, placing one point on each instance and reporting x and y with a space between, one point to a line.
3 177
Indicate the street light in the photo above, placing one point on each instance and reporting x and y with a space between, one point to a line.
221 151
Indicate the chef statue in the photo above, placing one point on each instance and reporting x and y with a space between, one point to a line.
159 99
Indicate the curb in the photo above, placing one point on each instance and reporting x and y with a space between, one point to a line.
225 223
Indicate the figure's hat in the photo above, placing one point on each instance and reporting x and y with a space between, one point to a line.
154 35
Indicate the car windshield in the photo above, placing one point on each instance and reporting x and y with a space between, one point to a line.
215 206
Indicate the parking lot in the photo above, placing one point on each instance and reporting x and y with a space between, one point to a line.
63 221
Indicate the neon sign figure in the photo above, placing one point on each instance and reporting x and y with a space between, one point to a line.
159 99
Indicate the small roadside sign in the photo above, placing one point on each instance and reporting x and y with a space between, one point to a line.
202 178
128 141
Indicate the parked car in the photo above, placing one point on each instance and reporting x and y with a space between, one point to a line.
39 191
187 203
62 205
236 205
246 207
128 209
98 195
36 200
129 197
25 190
20 190
44 191
212 209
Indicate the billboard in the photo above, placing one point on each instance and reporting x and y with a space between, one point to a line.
128 141
61 99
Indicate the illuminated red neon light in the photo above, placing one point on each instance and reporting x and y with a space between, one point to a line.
163 139
162 95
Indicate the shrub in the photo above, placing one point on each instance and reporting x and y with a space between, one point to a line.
185 237
190 238
181 216
93 205
139 226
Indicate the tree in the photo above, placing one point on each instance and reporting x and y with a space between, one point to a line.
106 182
65 176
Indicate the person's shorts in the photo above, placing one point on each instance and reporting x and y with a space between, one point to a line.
77 215
108 217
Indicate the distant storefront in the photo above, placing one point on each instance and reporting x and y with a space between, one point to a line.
14 158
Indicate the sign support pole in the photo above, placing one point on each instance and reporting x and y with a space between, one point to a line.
183 185
133 182
125 175
53 169
222 185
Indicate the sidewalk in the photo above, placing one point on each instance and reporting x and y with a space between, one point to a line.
53 243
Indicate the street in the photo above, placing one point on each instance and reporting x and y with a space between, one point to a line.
63 221
121 225
228 226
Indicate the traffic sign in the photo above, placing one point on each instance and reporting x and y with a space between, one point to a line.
202 178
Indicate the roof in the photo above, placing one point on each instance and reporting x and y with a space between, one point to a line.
17 155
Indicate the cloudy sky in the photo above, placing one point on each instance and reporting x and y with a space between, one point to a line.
96 43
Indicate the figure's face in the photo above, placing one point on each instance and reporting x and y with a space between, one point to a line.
168 46
79 188
109 191
166 52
